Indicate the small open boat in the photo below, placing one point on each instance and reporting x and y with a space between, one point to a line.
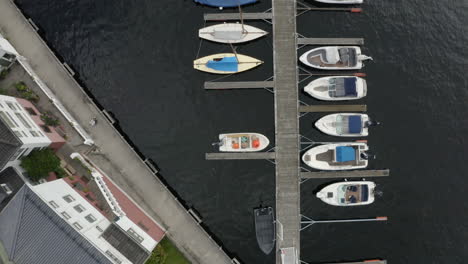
337 88
348 193
338 156
225 3
226 63
345 125
335 58
242 142
265 228
344 2
231 33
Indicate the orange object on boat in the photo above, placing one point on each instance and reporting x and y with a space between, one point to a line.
256 143
235 145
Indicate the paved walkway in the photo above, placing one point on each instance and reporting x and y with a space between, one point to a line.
115 156
287 125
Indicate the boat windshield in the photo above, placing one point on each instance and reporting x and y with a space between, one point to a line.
342 87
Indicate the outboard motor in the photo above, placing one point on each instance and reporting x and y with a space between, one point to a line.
367 156
371 123
378 193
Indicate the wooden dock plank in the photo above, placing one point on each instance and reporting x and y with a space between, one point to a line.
330 41
333 108
344 174
236 16
238 85
239 156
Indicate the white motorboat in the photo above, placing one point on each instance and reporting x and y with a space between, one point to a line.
345 124
335 58
348 193
337 156
242 142
337 88
231 33
344 2
226 63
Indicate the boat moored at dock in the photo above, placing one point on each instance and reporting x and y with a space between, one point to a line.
265 228
226 63
337 156
345 124
225 3
242 142
231 33
337 88
335 58
348 193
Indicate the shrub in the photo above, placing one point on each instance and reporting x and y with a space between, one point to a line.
50 120
21 87
25 92
3 91
39 163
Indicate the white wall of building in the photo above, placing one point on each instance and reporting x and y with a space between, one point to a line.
54 193
6 50
19 120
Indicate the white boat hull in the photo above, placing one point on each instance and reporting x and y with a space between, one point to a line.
231 33
320 89
331 53
234 142
245 63
311 158
328 125
334 194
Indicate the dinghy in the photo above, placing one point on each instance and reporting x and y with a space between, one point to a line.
265 228
225 3
348 193
338 156
226 63
242 142
344 2
337 88
334 58
345 125
231 33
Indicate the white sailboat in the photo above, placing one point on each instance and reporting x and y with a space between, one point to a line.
226 63
231 33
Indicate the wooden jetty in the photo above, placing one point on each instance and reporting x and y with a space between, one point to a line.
330 41
236 16
287 126
344 174
238 85
239 155
332 108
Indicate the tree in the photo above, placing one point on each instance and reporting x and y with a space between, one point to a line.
39 163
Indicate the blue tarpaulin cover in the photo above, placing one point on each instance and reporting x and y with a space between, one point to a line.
225 3
344 154
228 64
350 86
354 124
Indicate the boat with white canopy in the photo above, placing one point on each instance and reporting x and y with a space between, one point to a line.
231 33
335 58
348 193
242 142
345 124
226 63
337 156
337 88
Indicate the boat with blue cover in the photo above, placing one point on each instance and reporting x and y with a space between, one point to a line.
225 3
345 124
335 58
226 63
337 156
348 193
265 228
337 88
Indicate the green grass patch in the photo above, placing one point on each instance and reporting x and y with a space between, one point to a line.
166 253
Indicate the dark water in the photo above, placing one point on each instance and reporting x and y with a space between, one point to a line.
136 56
